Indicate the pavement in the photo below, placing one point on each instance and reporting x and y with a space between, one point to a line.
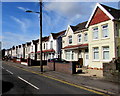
94 83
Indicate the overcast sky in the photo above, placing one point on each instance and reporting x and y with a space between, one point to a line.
19 27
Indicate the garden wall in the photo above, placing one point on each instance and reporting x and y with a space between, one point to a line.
69 68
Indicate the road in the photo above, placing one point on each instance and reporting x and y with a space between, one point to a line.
18 81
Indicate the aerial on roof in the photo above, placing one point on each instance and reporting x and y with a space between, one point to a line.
56 35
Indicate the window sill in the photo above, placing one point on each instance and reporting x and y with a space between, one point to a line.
105 38
80 42
106 60
95 39
96 60
85 41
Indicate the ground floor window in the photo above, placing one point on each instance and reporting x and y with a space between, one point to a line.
96 53
38 56
69 55
106 53
72 55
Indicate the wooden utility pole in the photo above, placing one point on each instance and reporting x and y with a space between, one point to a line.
41 65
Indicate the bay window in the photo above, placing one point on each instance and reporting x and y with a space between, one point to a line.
72 55
67 55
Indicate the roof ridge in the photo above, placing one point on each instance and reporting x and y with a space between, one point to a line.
108 6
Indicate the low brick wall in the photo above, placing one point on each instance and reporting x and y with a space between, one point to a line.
36 63
110 73
69 68
18 60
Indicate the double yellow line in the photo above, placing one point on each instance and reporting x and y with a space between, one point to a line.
62 81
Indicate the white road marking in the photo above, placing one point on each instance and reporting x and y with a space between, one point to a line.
28 83
9 71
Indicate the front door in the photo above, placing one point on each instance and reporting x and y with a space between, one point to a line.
86 59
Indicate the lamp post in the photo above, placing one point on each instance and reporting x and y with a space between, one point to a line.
40 40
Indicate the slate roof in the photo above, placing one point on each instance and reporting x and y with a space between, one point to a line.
114 12
45 38
35 41
19 46
13 47
56 35
16 46
78 27
28 43
23 45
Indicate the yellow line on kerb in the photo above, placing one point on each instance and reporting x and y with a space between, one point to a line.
65 82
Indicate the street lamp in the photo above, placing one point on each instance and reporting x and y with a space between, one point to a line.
29 11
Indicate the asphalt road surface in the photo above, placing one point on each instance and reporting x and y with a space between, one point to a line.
17 81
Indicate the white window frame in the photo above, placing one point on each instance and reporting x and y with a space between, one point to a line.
51 44
46 45
85 37
67 55
104 50
104 30
70 39
31 48
94 31
72 55
79 38
95 51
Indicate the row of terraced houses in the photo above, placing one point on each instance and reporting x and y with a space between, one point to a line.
91 43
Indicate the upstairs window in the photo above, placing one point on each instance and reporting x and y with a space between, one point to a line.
44 45
79 38
32 48
70 39
51 45
95 33
105 31
85 37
